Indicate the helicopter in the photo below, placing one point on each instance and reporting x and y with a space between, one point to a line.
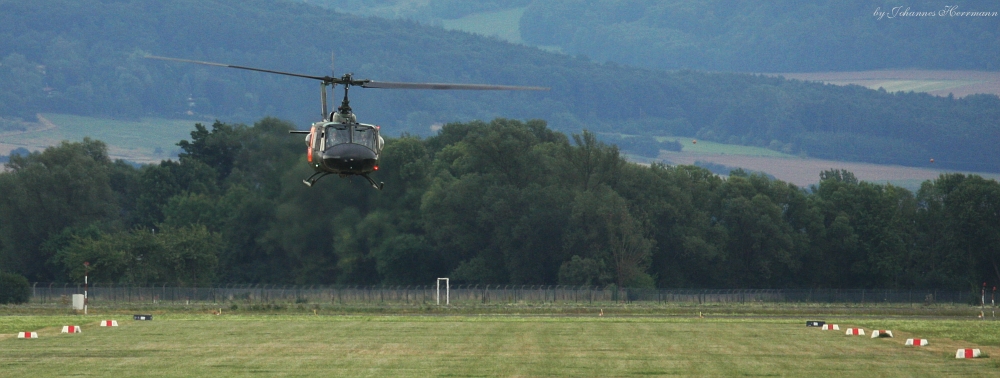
338 144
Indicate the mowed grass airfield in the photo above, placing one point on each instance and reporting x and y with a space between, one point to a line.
488 345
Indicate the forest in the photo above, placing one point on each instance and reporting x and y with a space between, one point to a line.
719 35
86 57
773 36
493 202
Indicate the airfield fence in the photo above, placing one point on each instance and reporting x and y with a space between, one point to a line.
47 293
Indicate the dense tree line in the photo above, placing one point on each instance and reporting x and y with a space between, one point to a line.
776 36
86 57
499 202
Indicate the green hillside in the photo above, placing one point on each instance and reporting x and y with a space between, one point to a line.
86 58
776 36
772 36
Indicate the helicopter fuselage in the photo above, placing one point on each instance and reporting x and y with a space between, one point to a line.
343 148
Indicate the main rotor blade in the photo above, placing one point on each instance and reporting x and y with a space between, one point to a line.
325 79
347 80
480 87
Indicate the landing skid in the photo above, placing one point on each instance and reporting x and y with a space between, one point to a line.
374 185
318 175
312 179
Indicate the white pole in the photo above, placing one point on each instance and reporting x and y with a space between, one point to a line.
447 291
86 272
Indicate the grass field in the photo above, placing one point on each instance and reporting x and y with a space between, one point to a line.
144 141
486 345
504 24
691 145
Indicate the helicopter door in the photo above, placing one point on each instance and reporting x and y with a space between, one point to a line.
317 138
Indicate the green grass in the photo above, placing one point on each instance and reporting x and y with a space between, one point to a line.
488 345
706 147
149 139
505 24
971 330
13 324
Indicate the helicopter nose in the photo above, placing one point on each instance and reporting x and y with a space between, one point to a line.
350 158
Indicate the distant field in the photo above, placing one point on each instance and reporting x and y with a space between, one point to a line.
793 169
938 83
805 172
306 345
146 141
692 145
504 24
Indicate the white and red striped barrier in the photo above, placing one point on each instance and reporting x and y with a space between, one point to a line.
71 329
829 327
34 335
109 323
916 342
968 353
881 333
855 332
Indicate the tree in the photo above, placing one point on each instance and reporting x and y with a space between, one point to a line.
630 249
590 162
64 186
14 288
961 221
185 256
580 271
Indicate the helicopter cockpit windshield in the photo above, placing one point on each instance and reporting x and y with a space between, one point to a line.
364 136
339 133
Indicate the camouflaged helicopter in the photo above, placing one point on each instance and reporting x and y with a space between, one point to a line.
339 144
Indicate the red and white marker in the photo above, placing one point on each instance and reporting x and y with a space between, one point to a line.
881 333
34 335
71 329
109 323
916 342
967 353
828 327
855 332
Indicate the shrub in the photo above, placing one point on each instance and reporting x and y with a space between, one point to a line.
14 288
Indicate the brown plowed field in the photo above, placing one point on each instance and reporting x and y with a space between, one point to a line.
804 172
938 83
